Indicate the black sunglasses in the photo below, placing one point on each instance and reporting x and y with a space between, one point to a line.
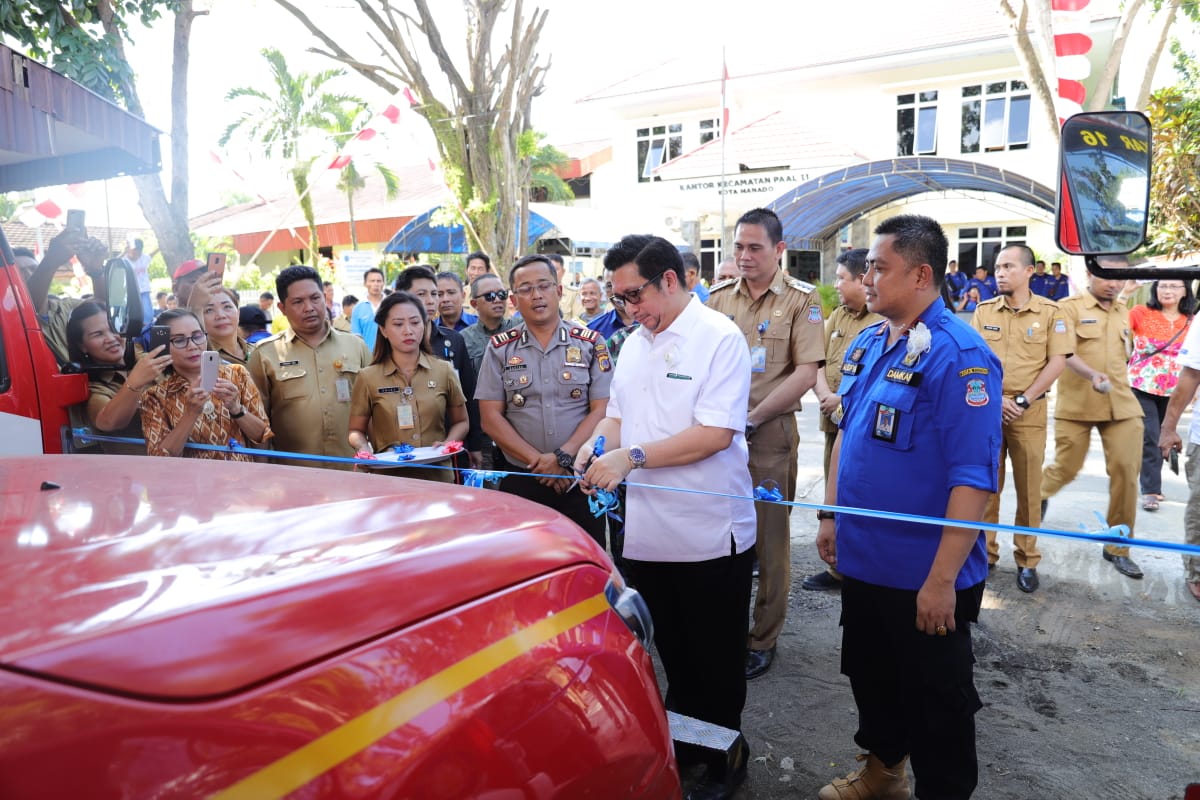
491 297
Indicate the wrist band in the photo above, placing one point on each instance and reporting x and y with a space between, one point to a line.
825 515
239 415
129 386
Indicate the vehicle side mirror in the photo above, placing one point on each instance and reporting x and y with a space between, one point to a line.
1104 183
124 300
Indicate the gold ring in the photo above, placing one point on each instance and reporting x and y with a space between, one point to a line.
941 630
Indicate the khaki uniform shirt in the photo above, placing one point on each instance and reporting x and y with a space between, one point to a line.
379 391
842 327
794 327
308 407
103 386
1103 340
546 393
342 323
1023 339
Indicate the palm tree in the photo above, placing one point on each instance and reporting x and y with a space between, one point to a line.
347 121
279 120
539 165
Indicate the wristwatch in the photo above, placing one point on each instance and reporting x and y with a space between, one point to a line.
825 515
565 460
750 429
637 456
1022 401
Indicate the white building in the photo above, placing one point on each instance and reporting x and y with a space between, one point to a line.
841 111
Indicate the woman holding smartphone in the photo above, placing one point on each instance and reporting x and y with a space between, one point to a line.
114 393
406 394
179 410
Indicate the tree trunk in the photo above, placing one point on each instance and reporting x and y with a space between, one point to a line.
353 228
1027 56
1108 76
1168 16
300 182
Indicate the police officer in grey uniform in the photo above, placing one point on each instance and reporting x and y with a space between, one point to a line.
542 388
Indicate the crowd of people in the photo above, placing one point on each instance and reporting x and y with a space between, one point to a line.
710 380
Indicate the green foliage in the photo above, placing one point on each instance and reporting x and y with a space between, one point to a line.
82 38
1174 113
829 298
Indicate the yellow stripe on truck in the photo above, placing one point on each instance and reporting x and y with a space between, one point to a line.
345 741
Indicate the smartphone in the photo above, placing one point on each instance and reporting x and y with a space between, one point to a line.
209 360
160 335
75 219
216 263
1173 459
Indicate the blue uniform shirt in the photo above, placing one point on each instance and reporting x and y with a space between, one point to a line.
1058 288
362 322
1038 283
987 287
910 433
607 323
957 283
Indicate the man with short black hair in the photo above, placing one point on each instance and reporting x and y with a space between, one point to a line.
781 319
478 264
691 273
450 304
306 374
362 321
676 418
543 387
920 435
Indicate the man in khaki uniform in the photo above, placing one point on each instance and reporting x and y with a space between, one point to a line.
1032 339
781 320
845 323
1095 393
306 373
542 389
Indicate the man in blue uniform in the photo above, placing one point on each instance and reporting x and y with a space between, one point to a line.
920 435
1037 281
984 282
956 282
1058 286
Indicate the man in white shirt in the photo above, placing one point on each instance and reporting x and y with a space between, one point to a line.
1170 443
676 417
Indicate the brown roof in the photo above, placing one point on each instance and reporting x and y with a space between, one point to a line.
21 235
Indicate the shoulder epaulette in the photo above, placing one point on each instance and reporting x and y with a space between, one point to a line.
796 283
501 339
990 301
587 334
722 284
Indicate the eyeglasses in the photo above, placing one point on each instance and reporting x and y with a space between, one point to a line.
181 342
1174 287
633 295
492 297
526 289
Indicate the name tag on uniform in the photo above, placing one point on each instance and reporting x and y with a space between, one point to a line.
904 376
289 363
758 359
851 369
1088 321
389 389
342 387
991 327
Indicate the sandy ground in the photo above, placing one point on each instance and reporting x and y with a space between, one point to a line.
1091 685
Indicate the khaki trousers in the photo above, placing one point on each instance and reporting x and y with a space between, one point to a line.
1122 441
773 456
1023 442
1191 516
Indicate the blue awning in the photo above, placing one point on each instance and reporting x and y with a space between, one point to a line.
816 210
420 235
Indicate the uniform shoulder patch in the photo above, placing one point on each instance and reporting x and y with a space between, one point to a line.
722 284
501 339
587 334
798 284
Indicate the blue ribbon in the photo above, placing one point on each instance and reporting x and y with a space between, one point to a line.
762 327
603 501
479 477
1117 535
768 490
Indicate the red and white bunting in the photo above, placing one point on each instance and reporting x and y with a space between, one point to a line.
1069 24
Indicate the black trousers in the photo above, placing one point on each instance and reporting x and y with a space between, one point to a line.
915 692
572 504
699 610
1155 408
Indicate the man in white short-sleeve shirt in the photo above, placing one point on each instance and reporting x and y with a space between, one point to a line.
1189 379
676 417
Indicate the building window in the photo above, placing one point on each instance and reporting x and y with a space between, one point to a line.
655 146
710 258
978 247
995 116
916 124
709 129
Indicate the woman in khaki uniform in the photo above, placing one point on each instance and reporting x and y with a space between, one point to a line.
221 324
406 396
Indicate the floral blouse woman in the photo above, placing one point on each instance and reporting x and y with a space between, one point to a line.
177 410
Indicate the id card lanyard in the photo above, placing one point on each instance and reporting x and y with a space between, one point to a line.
404 411
758 354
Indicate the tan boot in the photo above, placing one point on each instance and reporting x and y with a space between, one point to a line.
872 781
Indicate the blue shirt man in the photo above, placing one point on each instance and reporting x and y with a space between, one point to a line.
956 281
1058 286
1037 281
362 319
985 283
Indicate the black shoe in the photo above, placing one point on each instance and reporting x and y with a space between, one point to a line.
1124 565
721 783
991 568
1045 505
820 582
758 662
1027 579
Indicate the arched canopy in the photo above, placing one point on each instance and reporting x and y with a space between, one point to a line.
420 235
816 210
